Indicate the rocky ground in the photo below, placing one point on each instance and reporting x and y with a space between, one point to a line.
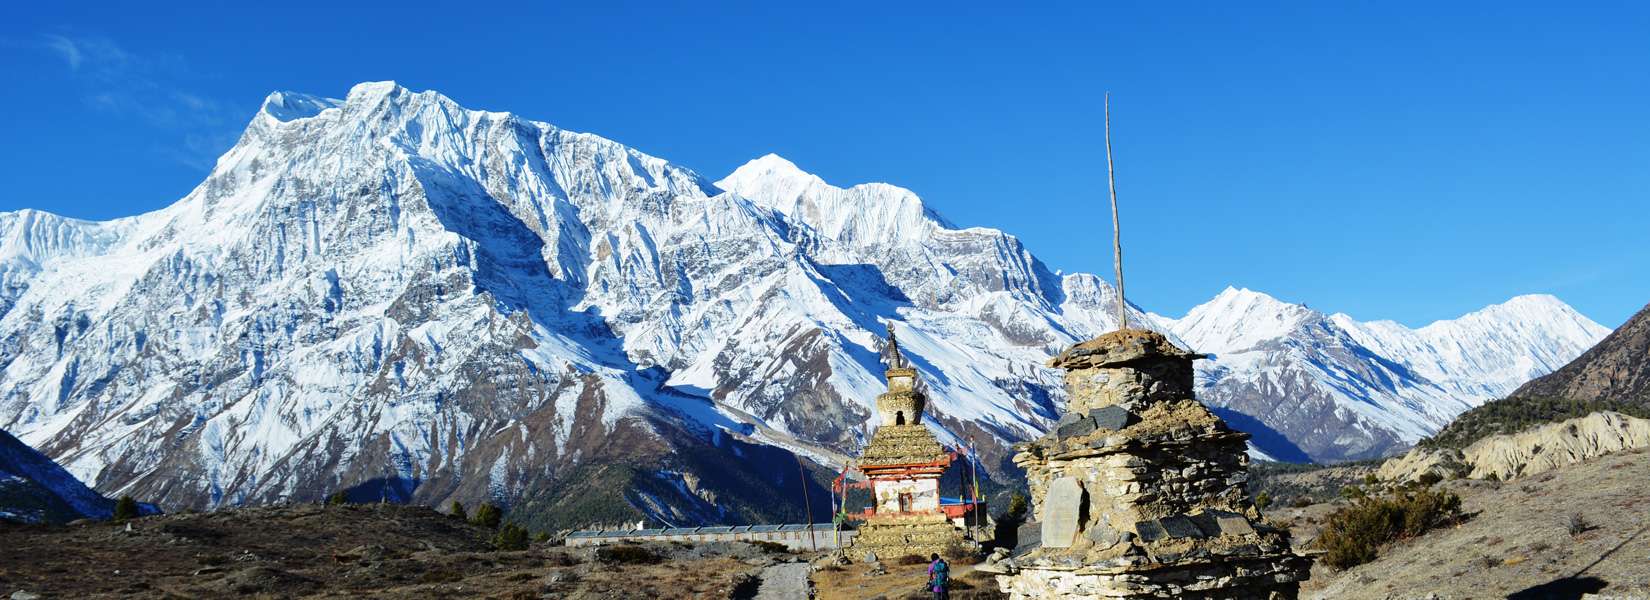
361 551
1517 541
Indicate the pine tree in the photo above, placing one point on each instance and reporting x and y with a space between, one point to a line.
511 537
488 515
126 508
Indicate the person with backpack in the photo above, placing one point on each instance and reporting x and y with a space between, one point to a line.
939 577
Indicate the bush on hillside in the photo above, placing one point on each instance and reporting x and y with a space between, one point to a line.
912 559
337 499
488 515
626 555
510 537
1577 524
126 508
960 552
456 511
1355 534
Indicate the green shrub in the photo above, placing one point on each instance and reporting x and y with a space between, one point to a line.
1355 534
456 511
510 537
541 537
1263 500
626 555
1429 478
488 515
126 508
337 499
771 547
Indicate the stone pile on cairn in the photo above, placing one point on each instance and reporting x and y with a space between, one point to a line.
1140 490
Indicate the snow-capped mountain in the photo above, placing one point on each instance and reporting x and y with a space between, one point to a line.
396 296
1329 387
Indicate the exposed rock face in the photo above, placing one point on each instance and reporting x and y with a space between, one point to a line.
1142 495
1532 451
1551 446
1442 463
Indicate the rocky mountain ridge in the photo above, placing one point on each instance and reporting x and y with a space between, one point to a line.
33 489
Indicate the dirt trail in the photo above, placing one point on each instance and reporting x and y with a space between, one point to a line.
785 581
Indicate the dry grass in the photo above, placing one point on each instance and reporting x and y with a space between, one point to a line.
901 581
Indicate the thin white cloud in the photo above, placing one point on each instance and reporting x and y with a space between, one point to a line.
66 48
120 82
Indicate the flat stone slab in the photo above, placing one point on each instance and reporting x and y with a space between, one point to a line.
1150 531
1077 427
1062 510
1235 525
1112 417
1180 527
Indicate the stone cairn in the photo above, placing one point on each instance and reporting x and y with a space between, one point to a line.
1140 490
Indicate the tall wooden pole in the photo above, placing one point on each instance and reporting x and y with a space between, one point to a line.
806 502
1116 229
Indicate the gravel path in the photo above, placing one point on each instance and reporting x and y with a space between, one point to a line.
786 581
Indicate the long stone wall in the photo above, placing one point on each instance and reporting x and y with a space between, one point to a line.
824 536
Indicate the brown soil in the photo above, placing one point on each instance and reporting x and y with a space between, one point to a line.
362 551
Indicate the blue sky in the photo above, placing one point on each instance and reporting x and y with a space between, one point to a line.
1391 160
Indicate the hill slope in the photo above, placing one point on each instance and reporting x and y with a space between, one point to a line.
33 489
1518 545
1616 369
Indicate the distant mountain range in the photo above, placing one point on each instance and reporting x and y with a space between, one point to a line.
1613 375
400 298
1327 387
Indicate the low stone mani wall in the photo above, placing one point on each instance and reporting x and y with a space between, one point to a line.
824 536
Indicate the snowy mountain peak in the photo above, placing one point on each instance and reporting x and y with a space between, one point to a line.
769 171
291 106
865 215
371 90
1239 319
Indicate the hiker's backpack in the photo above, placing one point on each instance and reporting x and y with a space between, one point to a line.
942 574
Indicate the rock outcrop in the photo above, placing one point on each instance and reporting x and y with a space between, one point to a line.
1141 489
1543 448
